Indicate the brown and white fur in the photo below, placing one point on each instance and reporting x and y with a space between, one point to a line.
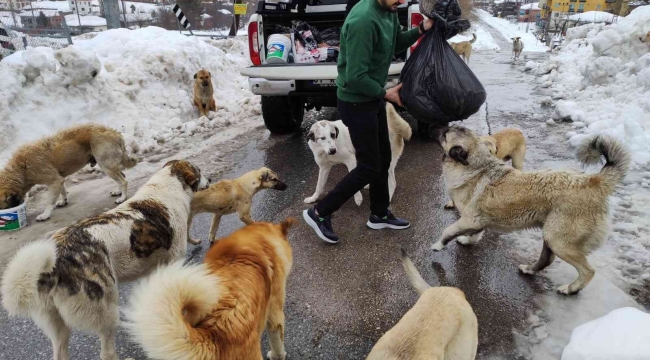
464 48
507 144
217 310
331 144
571 208
229 196
645 38
517 47
70 280
49 160
203 92
441 325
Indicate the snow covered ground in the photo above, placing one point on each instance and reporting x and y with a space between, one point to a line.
143 89
600 81
508 30
484 40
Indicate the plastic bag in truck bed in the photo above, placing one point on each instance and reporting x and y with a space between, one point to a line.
437 86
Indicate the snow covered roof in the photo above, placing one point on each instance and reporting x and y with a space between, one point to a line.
53 5
205 16
532 6
87 20
37 12
224 11
593 16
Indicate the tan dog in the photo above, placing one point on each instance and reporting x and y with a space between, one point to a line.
441 325
464 48
70 280
203 92
230 196
507 144
517 47
571 208
218 310
646 38
49 160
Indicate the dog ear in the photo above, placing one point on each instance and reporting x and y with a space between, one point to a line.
264 176
336 135
286 225
14 200
459 154
491 146
185 172
311 136
195 75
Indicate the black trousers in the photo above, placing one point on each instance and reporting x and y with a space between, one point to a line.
369 132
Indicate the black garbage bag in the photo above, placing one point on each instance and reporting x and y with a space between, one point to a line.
331 36
437 86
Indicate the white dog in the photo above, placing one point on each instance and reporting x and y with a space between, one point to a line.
70 279
517 47
331 144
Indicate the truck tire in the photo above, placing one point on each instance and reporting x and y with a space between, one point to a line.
282 115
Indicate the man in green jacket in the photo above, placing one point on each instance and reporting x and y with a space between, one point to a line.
370 36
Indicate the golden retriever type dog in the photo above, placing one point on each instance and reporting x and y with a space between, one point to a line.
331 144
517 47
49 160
507 144
217 310
70 279
230 196
441 325
204 93
571 208
464 48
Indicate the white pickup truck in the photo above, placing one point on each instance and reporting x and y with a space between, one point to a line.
289 89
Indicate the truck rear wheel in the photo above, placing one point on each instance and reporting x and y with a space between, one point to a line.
282 115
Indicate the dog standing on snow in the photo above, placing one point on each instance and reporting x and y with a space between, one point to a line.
331 144
49 160
71 279
204 93
517 47
570 208
464 48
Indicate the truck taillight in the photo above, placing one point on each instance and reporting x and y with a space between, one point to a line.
415 22
253 44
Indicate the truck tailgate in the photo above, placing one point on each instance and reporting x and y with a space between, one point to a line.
304 72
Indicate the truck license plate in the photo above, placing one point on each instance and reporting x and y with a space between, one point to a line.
323 83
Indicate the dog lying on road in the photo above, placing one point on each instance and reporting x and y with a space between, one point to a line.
464 48
230 196
49 160
217 310
203 92
571 208
441 325
507 144
517 47
70 279
331 144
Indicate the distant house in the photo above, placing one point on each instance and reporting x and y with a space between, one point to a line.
529 12
13 4
31 19
83 7
88 23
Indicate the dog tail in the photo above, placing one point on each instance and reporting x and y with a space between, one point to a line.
20 281
397 123
166 311
617 157
414 275
473 39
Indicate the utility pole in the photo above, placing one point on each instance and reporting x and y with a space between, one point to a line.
112 14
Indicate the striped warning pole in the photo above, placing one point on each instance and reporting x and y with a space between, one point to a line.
181 18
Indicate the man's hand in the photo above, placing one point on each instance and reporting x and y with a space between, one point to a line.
392 95
426 24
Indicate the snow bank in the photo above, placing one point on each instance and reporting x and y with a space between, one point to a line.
508 30
138 82
484 40
623 334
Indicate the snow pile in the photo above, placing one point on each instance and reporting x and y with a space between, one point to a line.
484 40
508 30
623 334
138 82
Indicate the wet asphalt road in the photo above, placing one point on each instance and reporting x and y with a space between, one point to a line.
342 298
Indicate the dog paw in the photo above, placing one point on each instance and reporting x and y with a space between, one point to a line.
311 199
194 241
526 269
116 193
465 240
437 246
120 200
449 205
272 356
42 217
358 199
61 203
566 290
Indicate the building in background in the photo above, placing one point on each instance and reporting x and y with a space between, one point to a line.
529 12
85 24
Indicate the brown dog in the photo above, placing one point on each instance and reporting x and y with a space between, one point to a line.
464 48
218 310
49 160
646 38
507 144
230 196
203 92
441 325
